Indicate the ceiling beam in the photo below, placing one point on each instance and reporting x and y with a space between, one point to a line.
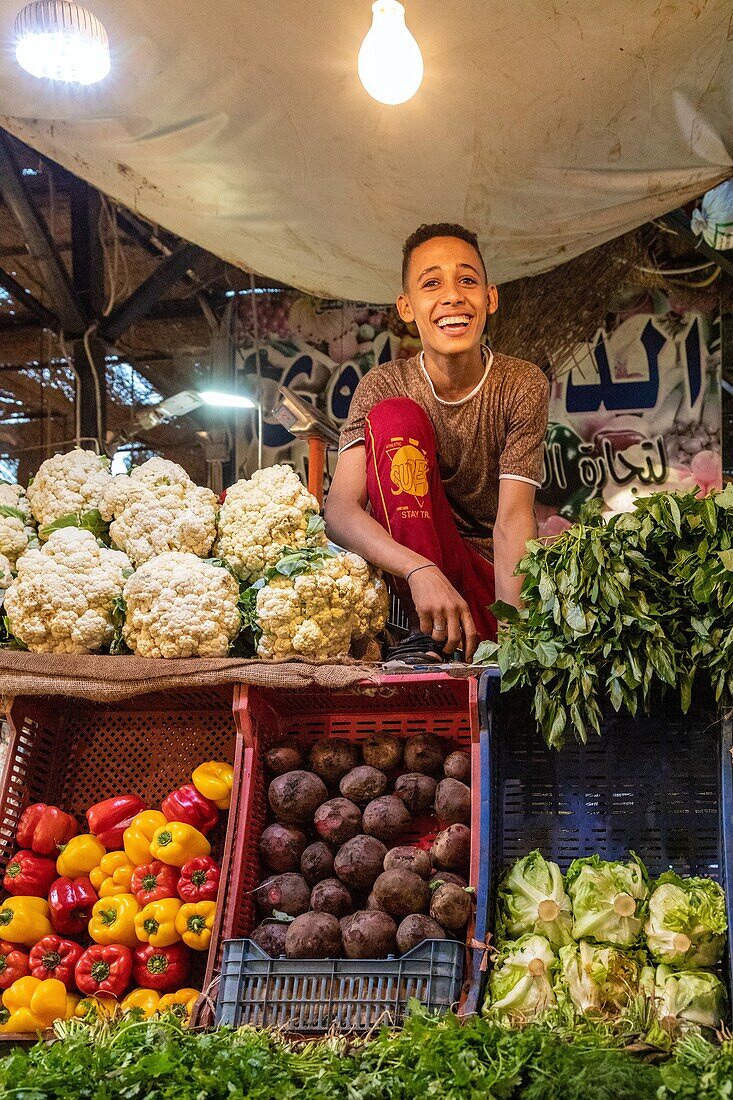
680 223
138 305
39 241
25 300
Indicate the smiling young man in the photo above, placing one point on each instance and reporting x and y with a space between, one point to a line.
442 453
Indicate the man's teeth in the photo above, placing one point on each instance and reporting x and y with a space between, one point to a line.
461 319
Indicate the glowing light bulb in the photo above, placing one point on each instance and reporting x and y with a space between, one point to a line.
390 63
60 40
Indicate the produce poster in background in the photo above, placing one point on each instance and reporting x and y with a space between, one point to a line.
635 410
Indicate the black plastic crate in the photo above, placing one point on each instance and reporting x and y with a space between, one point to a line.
659 785
312 996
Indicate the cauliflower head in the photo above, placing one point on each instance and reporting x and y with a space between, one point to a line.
62 598
6 572
158 508
261 517
177 605
318 613
69 484
17 530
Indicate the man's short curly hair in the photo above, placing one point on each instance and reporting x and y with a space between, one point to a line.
437 229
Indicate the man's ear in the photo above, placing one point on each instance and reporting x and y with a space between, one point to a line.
405 309
492 299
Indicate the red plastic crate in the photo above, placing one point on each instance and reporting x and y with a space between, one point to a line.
73 753
399 705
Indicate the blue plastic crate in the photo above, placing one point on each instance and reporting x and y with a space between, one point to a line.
660 785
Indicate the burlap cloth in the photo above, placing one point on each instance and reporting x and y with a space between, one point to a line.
106 679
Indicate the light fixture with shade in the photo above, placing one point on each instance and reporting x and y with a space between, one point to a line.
222 400
390 63
61 40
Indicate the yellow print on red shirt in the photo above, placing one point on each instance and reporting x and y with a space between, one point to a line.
409 470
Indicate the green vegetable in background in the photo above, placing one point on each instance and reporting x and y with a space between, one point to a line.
642 603
532 898
686 997
607 898
598 979
687 923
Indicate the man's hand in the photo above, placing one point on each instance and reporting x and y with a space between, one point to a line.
443 612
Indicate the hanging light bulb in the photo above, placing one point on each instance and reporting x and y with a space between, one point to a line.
60 40
390 63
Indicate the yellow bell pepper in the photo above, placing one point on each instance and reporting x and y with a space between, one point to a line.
25 920
112 875
113 920
145 999
175 843
181 1002
136 839
156 923
194 922
214 781
72 1000
34 1004
80 856
98 1006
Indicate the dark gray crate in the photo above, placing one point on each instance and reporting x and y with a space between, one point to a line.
311 996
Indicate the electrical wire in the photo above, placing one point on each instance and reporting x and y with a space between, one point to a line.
667 271
258 367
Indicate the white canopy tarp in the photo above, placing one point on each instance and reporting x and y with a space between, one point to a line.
549 126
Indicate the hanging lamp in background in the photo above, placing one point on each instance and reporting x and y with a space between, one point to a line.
60 40
390 63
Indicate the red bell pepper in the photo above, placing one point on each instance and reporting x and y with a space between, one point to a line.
199 879
109 819
53 957
190 806
29 874
153 882
161 968
45 829
104 969
13 963
70 902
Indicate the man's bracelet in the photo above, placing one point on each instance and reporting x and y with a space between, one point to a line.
418 568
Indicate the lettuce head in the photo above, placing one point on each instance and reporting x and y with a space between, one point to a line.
598 979
685 997
521 983
686 925
532 898
608 899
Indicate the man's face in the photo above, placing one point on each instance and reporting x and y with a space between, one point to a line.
447 296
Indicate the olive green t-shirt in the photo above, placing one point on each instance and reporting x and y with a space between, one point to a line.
496 432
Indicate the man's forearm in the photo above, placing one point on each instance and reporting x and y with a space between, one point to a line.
510 543
356 530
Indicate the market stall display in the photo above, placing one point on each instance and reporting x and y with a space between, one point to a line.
124 565
355 851
115 856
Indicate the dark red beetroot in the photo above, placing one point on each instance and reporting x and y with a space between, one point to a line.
337 820
369 934
362 784
409 858
446 876
283 894
414 929
284 757
313 936
458 766
452 848
386 818
316 863
416 791
453 803
270 936
400 893
295 796
331 896
450 906
281 847
382 751
359 861
332 758
424 753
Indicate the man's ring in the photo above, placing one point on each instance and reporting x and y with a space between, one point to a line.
439 627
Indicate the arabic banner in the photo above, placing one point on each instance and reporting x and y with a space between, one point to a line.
636 409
